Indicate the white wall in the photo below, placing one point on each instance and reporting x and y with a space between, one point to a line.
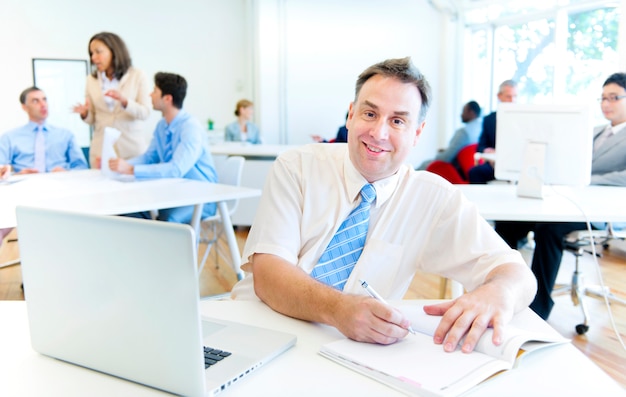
320 47
206 41
296 59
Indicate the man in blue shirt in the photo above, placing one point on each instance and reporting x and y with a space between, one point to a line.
39 146
178 149
466 135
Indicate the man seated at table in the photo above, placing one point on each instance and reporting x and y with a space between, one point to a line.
608 167
417 221
483 173
39 146
178 149
466 135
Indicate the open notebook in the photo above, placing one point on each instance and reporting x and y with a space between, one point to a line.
417 366
120 296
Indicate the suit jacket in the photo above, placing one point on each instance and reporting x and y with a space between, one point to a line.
488 136
342 134
608 166
130 120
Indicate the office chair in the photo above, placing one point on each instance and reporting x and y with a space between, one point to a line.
577 242
465 159
211 228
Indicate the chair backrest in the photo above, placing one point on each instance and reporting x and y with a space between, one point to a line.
229 173
465 159
446 171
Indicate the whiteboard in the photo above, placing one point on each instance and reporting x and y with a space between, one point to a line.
63 81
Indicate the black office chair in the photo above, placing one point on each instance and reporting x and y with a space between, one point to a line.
578 243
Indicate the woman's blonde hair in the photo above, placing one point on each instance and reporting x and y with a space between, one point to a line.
244 103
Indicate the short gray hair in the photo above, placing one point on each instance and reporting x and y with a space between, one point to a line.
507 83
403 70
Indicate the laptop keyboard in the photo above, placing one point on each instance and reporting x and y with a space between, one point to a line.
213 356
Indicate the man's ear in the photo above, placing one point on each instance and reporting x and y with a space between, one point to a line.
350 115
418 132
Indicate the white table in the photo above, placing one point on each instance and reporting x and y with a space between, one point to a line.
499 202
249 150
90 192
259 160
555 371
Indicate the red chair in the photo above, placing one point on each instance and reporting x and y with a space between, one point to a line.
465 159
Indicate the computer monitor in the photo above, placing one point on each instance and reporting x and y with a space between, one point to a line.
551 143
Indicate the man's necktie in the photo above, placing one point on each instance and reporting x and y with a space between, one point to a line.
344 249
167 150
40 150
606 134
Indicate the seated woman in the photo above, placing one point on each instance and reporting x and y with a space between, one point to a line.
243 129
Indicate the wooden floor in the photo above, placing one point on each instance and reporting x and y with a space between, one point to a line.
600 344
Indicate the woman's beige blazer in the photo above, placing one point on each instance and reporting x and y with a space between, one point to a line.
129 121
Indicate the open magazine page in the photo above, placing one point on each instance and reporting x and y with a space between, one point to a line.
418 366
524 327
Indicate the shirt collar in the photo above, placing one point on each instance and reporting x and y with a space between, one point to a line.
618 128
181 115
106 80
33 126
355 182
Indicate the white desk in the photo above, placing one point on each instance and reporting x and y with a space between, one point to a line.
249 150
259 160
90 192
560 203
555 371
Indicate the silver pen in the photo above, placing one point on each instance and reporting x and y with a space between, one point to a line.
376 296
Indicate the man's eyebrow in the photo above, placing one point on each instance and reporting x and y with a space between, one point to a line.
370 104
397 112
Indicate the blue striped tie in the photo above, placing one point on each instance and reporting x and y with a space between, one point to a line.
344 249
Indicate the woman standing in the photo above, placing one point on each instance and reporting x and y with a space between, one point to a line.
117 96
243 129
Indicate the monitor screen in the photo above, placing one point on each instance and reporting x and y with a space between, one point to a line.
566 131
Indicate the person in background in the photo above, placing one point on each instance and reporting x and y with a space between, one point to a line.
399 221
608 167
342 135
466 135
243 129
179 148
117 96
39 146
484 173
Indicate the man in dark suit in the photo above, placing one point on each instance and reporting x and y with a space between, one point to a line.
484 173
608 167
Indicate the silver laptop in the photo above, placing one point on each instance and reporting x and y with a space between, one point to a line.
120 296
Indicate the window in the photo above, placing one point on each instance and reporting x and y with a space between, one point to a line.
560 55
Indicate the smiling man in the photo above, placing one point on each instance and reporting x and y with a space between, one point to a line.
305 255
